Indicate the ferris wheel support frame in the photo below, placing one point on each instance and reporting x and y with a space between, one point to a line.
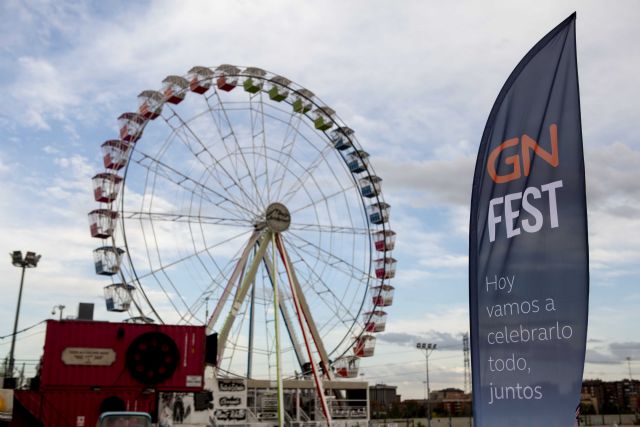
276 320
232 280
299 301
241 293
301 307
286 316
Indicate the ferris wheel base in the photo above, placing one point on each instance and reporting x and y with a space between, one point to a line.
236 401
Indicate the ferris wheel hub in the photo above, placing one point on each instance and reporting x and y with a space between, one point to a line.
278 217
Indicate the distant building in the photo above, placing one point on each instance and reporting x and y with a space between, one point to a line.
451 402
611 397
382 397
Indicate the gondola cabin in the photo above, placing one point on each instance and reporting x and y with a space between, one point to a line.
323 118
200 79
174 89
102 223
370 186
150 104
341 138
106 186
375 321
358 161
382 295
278 88
107 260
118 297
385 240
115 153
254 81
131 125
302 101
378 212
385 268
227 77
365 345
347 367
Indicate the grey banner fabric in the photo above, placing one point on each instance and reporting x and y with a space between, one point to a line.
528 248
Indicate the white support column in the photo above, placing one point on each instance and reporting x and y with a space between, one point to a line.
232 281
242 293
276 320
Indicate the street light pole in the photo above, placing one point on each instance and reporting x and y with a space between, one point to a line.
60 308
30 260
428 348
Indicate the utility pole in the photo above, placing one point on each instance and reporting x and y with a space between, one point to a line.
467 363
428 348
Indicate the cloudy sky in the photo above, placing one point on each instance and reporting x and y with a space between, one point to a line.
416 81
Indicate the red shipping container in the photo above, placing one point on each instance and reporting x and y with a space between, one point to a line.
81 408
122 355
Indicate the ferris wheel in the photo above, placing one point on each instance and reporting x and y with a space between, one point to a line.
250 207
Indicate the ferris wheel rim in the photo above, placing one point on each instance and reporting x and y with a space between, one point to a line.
369 173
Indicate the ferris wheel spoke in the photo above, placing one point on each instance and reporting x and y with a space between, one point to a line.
195 254
308 173
184 218
313 203
335 304
286 150
258 132
223 119
186 136
328 257
222 276
328 228
162 271
178 178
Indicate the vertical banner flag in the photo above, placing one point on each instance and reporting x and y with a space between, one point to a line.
528 250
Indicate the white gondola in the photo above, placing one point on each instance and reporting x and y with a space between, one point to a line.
106 187
131 125
385 268
382 295
378 212
347 367
385 240
174 89
323 118
150 104
115 153
227 77
364 346
341 137
118 297
358 161
302 101
200 79
370 186
278 88
102 223
107 260
375 321
254 81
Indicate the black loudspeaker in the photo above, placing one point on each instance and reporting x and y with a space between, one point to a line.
152 358
211 349
85 311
